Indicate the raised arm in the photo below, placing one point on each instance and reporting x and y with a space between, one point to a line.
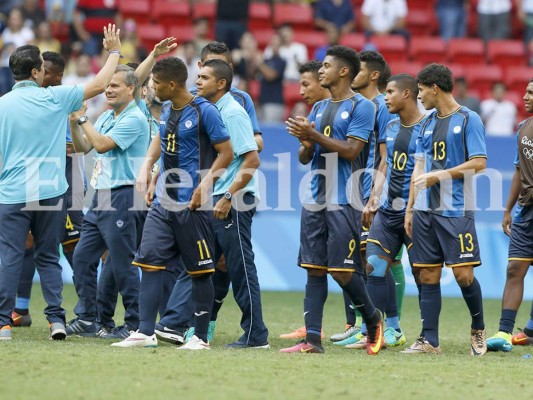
165 46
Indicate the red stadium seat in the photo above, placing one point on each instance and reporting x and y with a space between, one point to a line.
405 67
392 47
182 33
355 41
458 71
466 51
420 4
421 22
150 34
171 13
517 78
204 10
427 49
299 17
139 10
263 37
260 16
311 39
506 53
291 94
481 77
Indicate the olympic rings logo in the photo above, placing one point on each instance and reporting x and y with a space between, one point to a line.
528 153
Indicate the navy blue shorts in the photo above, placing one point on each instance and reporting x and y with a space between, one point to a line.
329 240
438 240
521 244
387 231
168 235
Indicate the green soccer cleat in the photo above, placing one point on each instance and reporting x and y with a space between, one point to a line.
394 338
350 340
189 333
501 341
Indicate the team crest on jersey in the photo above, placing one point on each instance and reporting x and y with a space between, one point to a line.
345 114
188 124
428 132
457 129
120 223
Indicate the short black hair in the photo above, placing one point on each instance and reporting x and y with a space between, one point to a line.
222 70
373 59
133 65
311 66
215 48
384 77
348 57
171 69
55 58
406 81
436 74
23 60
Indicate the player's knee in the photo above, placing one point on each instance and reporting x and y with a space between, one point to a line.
416 275
342 278
221 264
316 272
464 276
378 266
69 248
430 276
517 270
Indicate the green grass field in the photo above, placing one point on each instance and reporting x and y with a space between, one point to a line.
36 368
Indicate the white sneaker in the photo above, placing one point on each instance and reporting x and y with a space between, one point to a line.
195 343
137 339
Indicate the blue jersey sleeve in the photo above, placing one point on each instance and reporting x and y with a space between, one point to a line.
361 125
128 130
212 122
475 137
71 97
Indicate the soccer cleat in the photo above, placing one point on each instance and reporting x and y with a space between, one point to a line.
375 340
478 342
394 338
359 345
350 331
5 332
189 333
299 333
238 344
170 335
104 330
21 320
521 339
501 341
78 328
304 347
195 343
422 346
351 340
57 331
137 339
119 332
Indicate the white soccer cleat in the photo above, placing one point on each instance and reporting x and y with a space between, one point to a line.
137 339
195 343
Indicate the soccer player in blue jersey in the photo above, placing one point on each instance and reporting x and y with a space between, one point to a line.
519 227
194 147
40 119
120 136
332 138
385 210
235 196
450 150
178 313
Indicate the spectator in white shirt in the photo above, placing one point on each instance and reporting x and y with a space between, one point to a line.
294 54
494 19
498 114
384 17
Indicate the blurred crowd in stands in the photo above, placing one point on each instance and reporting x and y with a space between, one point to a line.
488 44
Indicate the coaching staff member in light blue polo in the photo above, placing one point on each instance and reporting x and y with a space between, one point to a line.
232 226
33 121
120 136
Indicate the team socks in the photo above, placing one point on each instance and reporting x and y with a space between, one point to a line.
378 291
430 306
474 301
358 293
221 282
316 293
399 286
149 301
348 310
507 320
203 294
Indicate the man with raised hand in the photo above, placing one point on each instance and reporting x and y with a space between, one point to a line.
28 202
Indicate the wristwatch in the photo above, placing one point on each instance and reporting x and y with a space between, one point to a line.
83 119
227 196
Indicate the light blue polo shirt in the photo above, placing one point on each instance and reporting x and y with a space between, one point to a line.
241 133
33 122
131 132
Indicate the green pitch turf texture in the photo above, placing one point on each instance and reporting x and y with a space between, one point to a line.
80 368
